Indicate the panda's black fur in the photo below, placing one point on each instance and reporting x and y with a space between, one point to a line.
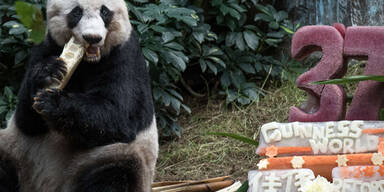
8 174
103 103
99 133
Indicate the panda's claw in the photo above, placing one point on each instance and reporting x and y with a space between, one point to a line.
45 102
51 81
57 81
41 112
38 94
50 90
37 107
60 75
52 72
63 69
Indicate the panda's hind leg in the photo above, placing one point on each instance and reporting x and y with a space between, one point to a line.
118 176
117 167
9 181
113 177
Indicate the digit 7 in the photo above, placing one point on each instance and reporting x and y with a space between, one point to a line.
326 102
362 42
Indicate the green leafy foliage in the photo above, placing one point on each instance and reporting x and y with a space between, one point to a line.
356 78
32 18
229 45
7 105
224 41
16 39
244 187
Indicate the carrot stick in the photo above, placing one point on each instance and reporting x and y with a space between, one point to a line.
289 150
320 165
373 131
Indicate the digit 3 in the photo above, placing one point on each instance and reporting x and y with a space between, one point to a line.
326 102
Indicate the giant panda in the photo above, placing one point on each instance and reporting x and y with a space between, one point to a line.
98 133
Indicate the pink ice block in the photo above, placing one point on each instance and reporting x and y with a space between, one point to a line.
366 42
341 28
331 98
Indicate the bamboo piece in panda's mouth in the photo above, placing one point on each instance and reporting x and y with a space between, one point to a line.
72 55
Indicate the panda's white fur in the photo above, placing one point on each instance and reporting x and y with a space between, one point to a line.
50 164
119 30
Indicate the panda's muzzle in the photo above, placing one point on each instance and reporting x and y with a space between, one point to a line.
92 39
92 50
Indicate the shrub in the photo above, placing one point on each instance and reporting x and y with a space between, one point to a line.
15 43
231 44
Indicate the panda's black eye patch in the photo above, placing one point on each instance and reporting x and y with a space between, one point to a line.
74 17
106 15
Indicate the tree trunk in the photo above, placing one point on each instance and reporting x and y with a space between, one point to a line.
327 12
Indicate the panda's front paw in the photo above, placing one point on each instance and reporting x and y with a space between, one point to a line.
46 102
52 72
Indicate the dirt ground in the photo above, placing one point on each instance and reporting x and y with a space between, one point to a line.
198 156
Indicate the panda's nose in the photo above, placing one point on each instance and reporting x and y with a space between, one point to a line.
92 39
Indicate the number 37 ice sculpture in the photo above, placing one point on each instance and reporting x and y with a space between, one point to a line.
338 44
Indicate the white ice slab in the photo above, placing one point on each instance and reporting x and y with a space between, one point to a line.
279 180
341 137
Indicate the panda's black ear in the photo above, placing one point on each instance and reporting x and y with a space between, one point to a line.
9 181
106 15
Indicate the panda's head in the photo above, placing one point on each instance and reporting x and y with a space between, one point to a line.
98 24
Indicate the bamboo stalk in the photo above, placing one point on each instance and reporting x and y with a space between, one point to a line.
215 179
167 183
205 187
168 187
175 185
72 55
